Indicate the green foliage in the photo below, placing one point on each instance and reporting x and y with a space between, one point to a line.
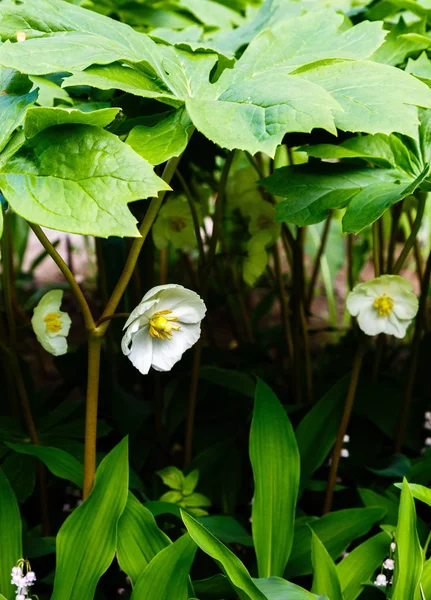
10 535
183 490
87 540
325 576
275 461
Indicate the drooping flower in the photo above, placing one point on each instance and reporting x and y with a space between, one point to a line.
389 564
22 582
162 327
50 324
381 580
386 304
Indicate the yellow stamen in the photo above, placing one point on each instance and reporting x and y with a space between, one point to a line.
53 322
384 305
161 326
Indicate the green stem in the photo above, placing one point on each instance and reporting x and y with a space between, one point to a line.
413 234
417 252
192 401
68 275
376 250
350 398
94 351
412 365
317 262
195 217
350 277
395 216
284 304
17 374
218 213
144 229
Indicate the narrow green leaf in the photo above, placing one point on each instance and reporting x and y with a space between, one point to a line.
39 118
167 575
87 540
426 579
275 588
361 563
420 492
408 556
78 179
317 431
60 463
336 531
275 461
228 562
10 535
139 538
325 576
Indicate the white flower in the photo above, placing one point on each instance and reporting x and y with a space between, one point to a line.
344 453
162 327
50 324
381 580
346 439
393 546
386 304
389 564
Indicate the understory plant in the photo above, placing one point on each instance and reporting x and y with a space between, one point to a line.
215 274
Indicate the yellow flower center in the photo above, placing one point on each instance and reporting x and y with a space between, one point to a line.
384 305
162 326
53 322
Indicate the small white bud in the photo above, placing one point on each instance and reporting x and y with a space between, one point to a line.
31 577
344 453
393 546
346 439
428 441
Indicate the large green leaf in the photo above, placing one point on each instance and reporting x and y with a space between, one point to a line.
78 179
336 531
139 538
357 568
317 431
39 118
228 562
408 557
275 461
87 540
15 99
60 463
10 535
325 575
167 575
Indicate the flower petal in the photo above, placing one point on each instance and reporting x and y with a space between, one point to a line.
155 291
58 345
370 322
185 304
142 308
167 352
358 300
396 327
406 305
142 350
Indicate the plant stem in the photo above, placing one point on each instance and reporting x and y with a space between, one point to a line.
68 275
94 351
284 304
195 217
17 374
135 250
376 250
316 267
350 278
163 266
395 215
412 365
412 237
192 401
218 213
417 252
124 315
357 364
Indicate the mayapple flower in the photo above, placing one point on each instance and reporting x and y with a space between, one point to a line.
50 324
386 304
165 324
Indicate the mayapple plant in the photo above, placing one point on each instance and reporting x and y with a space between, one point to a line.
229 134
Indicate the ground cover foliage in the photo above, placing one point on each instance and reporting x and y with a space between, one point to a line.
269 156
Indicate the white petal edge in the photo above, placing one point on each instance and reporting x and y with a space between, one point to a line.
141 352
168 352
